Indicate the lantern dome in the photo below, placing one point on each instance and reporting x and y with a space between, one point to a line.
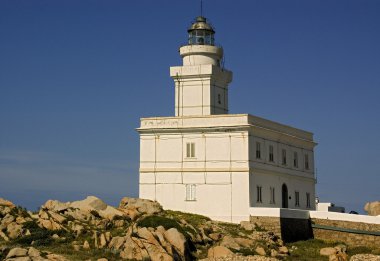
201 32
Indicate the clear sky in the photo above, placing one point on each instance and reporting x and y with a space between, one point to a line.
76 76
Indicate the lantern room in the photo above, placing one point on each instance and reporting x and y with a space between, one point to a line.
200 32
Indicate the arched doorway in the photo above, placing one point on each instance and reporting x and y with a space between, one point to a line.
284 196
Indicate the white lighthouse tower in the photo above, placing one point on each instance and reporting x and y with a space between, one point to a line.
201 85
204 160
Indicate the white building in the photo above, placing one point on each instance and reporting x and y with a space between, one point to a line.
204 160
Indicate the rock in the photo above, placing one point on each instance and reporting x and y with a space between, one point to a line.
244 242
102 259
327 251
230 242
134 249
17 252
118 223
57 217
116 242
55 257
108 236
215 236
365 257
89 203
218 252
43 214
7 220
55 205
247 225
4 236
102 241
143 206
76 247
260 250
6 203
283 250
93 203
273 253
14 230
372 208
96 239
86 245
20 220
338 257
21 258
341 248
177 239
32 252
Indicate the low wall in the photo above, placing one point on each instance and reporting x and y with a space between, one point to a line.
355 230
293 225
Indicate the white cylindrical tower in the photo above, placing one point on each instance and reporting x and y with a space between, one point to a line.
201 48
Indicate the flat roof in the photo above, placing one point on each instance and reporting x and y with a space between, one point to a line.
221 120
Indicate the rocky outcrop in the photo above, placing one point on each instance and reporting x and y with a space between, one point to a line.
138 229
135 207
32 254
372 208
337 253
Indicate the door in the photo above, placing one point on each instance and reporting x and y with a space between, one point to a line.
284 196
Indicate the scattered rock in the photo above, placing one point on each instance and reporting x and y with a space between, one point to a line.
32 252
247 225
283 250
177 239
17 252
86 245
230 242
135 207
327 251
260 250
14 230
219 251
372 208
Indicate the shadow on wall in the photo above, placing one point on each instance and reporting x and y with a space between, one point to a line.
294 229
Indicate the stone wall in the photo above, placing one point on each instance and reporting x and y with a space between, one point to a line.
294 229
350 238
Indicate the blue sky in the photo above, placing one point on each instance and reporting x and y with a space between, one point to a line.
76 76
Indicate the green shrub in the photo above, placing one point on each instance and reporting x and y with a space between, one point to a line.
40 236
155 221
167 223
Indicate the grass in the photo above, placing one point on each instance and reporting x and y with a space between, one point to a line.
309 250
193 219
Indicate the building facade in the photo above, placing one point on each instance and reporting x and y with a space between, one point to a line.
206 161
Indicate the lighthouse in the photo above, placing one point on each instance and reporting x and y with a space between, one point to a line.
206 160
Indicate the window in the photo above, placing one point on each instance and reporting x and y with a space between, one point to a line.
219 99
297 197
271 158
306 161
295 160
283 157
272 195
308 200
258 150
190 192
259 198
190 150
